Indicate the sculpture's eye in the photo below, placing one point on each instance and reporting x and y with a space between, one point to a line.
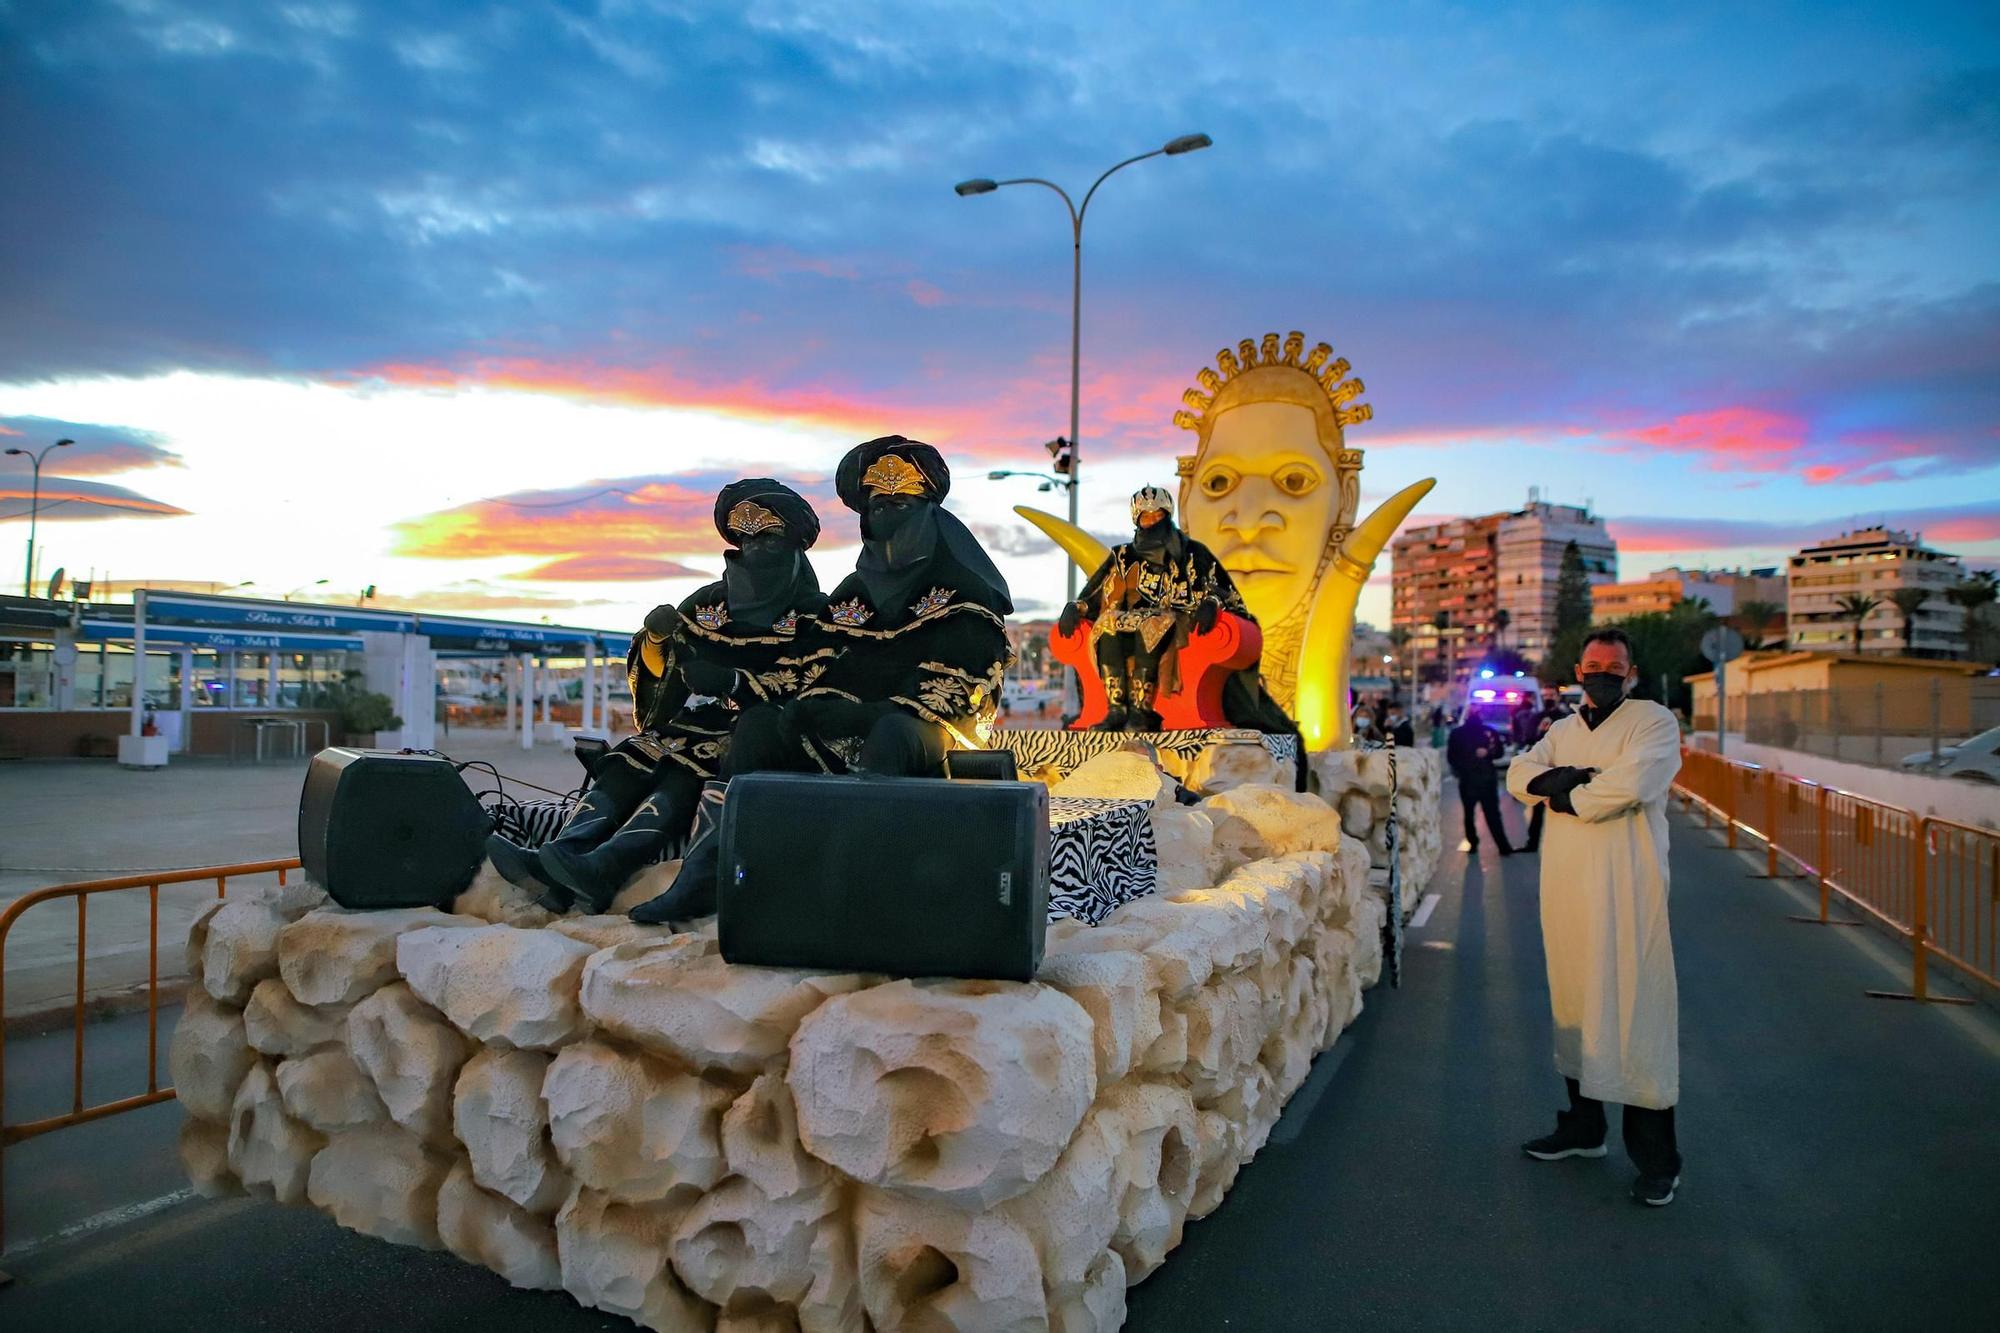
1297 479
1219 481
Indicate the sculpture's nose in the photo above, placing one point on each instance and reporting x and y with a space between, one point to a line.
1252 511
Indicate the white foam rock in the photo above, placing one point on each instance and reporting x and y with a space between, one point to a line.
614 1258
330 1092
499 984
487 1230
334 956
412 1055
635 1127
383 1182
498 1114
209 1056
963 1092
681 999
926 1265
277 1024
270 1152
204 1149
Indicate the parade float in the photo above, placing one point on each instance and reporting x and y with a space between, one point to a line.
590 1104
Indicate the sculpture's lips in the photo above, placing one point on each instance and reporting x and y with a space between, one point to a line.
1250 560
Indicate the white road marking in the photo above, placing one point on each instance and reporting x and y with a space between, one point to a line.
1424 910
115 1217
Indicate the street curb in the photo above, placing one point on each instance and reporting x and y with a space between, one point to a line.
47 1018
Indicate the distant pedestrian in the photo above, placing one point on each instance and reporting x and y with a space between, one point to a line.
1473 752
1397 727
1605 773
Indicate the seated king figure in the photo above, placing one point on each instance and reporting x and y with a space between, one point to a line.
1144 600
694 669
907 662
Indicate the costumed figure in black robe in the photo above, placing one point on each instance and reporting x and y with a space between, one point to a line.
913 645
1144 601
694 669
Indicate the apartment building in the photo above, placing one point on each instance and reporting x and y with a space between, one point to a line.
1874 562
1451 581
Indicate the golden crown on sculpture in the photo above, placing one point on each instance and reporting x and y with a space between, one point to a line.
1215 396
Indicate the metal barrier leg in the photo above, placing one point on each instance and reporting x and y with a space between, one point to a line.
1920 927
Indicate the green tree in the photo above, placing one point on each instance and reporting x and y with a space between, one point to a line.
1572 617
1857 607
1756 618
1976 593
1909 604
1668 644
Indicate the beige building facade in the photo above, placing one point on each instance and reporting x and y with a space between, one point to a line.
1874 562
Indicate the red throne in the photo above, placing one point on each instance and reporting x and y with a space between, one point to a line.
1205 665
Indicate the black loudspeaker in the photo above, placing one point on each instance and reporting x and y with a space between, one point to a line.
380 829
913 877
981 766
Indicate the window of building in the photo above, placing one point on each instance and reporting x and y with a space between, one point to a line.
27 674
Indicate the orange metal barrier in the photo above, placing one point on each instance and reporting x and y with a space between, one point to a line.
1933 881
78 1113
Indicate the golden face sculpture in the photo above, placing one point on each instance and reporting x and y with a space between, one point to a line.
1272 490
1264 498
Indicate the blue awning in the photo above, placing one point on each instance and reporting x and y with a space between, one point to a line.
190 636
274 617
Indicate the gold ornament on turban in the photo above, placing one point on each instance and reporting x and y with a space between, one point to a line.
892 474
748 518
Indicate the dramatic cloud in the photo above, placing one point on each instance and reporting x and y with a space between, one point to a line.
608 569
616 519
1940 526
98 450
476 597
67 501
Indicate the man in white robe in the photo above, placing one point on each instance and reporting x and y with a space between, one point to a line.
1603 774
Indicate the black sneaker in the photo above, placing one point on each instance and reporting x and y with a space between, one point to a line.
1567 1141
1655 1191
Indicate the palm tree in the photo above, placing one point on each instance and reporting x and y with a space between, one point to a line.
1756 618
1975 593
1909 601
1501 620
1857 607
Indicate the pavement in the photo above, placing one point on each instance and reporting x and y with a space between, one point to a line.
1841 1166
77 819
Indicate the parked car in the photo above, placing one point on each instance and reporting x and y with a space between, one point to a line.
1975 760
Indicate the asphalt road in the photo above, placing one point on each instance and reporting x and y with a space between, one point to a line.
1841 1167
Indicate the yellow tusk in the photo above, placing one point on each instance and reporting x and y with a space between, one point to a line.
1084 549
1321 701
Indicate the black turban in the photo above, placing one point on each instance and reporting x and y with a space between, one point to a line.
934 478
801 523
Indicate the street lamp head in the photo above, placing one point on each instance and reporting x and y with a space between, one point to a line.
979 185
1187 143
998 476
64 444
17 451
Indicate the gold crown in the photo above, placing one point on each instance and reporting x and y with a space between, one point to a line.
1249 356
749 518
892 474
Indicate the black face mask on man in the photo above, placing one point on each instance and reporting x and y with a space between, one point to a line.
1604 689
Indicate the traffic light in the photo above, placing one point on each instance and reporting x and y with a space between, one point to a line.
1064 454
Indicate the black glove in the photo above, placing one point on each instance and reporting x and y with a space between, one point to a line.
1205 614
662 621
1071 617
710 678
1561 803
1561 780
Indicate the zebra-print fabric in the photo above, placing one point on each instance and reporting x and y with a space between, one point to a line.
1101 851
1392 946
1101 854
1067 751
530 823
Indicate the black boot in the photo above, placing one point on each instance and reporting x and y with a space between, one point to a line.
520 867
692 893
596 852
1114 698
1141 717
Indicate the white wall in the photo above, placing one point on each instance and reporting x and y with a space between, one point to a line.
1947 798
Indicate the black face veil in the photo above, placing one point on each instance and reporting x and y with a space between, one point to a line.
769 527
929 546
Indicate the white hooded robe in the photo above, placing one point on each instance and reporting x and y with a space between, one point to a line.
1604 903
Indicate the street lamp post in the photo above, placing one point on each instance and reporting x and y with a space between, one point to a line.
34 509
1186 143
303 586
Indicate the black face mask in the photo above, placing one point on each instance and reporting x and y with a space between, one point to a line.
886 519
1605 689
